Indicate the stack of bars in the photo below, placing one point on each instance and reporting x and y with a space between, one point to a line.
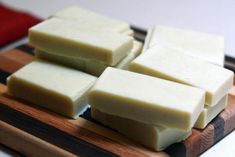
186 88
84 40
72 48
174 84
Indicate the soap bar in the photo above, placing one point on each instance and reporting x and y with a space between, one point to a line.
60 89
204 46
147 99
90 18
136 50
69 61
210 113
67 38
154 137
172 64
97 68
89 66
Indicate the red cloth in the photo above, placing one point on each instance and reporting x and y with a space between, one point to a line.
14 24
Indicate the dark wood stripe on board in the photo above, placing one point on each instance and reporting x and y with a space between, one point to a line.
3 76
218 124
229 63
139 34
26 48
176 150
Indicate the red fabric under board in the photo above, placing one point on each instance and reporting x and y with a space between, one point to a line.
14 24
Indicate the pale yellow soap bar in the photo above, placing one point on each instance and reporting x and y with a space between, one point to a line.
97 68
147 99
154 137
210 113
67 38
171 64
136 50
69 61
89 66
89 18
60 89
204 46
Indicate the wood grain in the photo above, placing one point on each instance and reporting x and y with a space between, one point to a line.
193 144
15 59
27 144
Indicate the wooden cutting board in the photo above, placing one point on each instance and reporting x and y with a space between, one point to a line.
34 131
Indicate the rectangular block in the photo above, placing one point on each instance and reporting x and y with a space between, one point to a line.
97 68
67 38
69 61
210 113
89 18
60 89
147 99
154 137
136 51
172 64
204 46
89 66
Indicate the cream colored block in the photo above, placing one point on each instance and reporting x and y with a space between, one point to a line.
154 137
67 38
210 113
73 62
89 66
89 18
136 50
172 64
204 46
60 89
147 99
97 68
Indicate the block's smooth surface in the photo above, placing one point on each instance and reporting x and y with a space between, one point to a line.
205 46
52 86
171 64
93 19
147 99
210 113
68 38
90 66
155 137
